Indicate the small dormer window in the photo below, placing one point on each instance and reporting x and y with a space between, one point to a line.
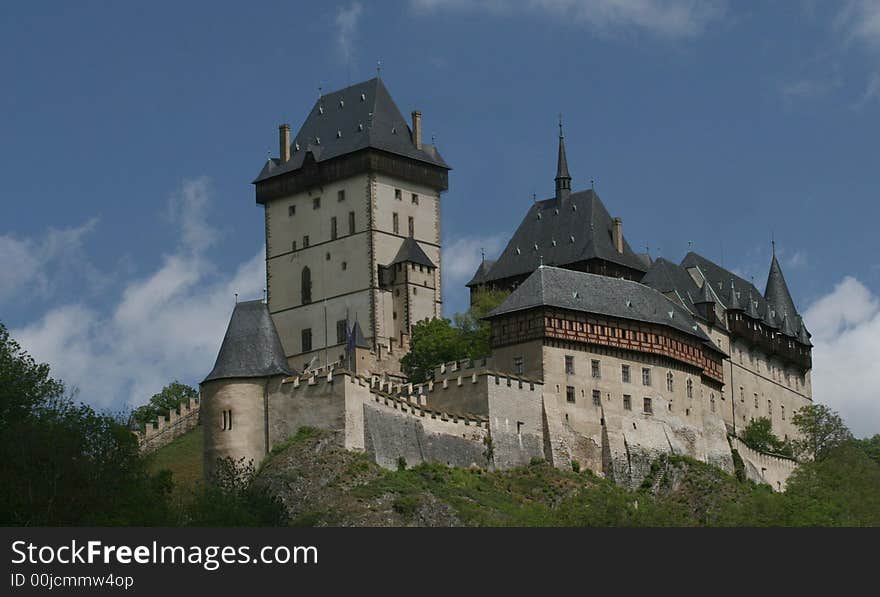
339 134
296 146
360 126
320 109
341 104
317 140
363 97
393 130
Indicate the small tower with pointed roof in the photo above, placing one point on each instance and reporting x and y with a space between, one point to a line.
563 178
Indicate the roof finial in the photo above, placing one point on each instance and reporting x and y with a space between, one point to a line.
592 185
560 126
772 244
378 69
236 298
540 261
563 178
482 254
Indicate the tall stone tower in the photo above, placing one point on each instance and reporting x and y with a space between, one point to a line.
352 208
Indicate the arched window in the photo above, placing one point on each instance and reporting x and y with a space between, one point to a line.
306 286
690 388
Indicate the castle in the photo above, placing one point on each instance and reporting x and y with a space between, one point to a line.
600 355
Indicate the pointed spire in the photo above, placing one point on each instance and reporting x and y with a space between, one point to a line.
733 303
777 293
563 178
705 295
803 335
751 309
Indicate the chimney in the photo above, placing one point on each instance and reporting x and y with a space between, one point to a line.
417 128
284 142
617 235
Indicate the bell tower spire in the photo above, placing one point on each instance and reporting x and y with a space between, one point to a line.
563 178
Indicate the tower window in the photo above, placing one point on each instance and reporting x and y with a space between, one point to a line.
595 369
646 376
398 195
569 365
415 199
333 228
395 223
597 398
690 388
518 365
226 424
624 373
306 286
344 265
647 407
316 203
670 382
351 222
712 402
291 211
627 402
340 332
327 257
412 226
569 393
340 195
293 246
307 340
305 241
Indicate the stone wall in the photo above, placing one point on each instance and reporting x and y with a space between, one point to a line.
167 429
764 468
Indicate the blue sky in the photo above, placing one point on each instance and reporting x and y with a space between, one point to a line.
130 134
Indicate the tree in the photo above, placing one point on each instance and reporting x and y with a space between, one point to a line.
162 403
440 341
63 463
821 430
871 447
759 435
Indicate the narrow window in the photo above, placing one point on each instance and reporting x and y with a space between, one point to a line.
306 286
627 402
690 388
230 420
333 228
340 332
415 199
624 373
712 402
670 382
293 246
340 195
646 376
519 426
225 425
647 407
398 195
742 394
597 398
344 265
412 226
770 407
783 412
305 241
595 369
756 400
569 365
307 340
569 393
316 203
395 223
351 222
291 211
518 365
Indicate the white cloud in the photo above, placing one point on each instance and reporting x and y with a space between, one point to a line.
34 267
859 20
347 19
461 257
846 345
166 325
663 18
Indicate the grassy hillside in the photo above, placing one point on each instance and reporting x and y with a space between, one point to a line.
183 457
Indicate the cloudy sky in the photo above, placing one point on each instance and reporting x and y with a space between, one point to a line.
131 132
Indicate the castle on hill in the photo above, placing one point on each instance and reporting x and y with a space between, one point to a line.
600 355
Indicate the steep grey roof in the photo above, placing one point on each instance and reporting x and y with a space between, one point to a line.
561 233
734 302
803 335
482 272
777 293
646 260
592 293
411 252
705 295
358 117
562 161
358 334
251 347
722 279
668 277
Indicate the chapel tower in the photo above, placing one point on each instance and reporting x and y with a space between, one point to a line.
352 211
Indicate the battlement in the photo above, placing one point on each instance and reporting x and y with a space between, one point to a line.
462 366
407 406
165 429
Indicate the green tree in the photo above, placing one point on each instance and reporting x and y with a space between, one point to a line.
871 447
759 435
162 403
440 340
63 463
235 497
821 430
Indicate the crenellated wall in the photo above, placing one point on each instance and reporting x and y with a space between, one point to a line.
761 467
167 429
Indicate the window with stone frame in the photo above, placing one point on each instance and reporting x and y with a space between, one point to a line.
340 332
333 231
597 398
690 388
627 402
647 406
595 369
624 374
646 376
340 195
351 222
670 382
569 364
569 393
306 340
518 365
395 223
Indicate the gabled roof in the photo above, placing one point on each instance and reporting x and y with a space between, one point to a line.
777 293
482 272
668 277
358 117
722 279
358 334
411 252
560 233
251 346
592 293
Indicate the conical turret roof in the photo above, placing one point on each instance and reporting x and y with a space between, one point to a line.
251 346
777 293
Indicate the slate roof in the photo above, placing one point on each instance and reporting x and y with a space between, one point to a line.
722 279
358 117
776 291
670 278
482 271
411 252
592 293
564 232
251 346
358 334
